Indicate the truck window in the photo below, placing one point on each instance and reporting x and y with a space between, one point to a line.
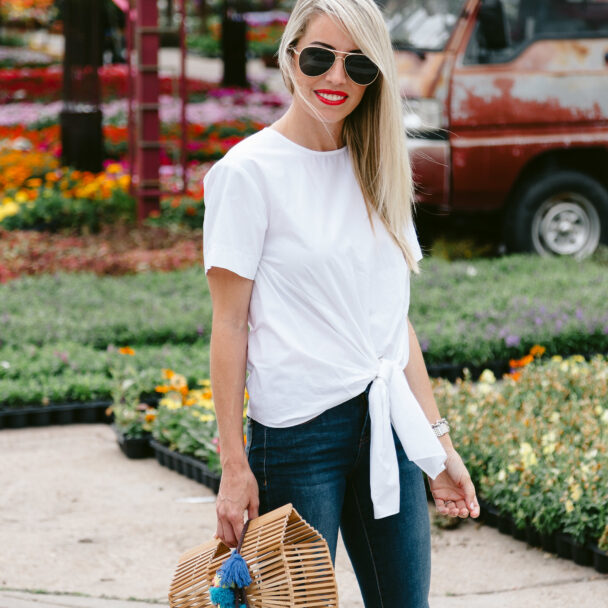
506 27
421 25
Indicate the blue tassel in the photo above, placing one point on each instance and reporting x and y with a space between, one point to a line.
235 571
222 597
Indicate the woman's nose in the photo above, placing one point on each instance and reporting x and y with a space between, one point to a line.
337 72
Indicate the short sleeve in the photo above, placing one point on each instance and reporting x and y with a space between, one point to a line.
412 239
235 220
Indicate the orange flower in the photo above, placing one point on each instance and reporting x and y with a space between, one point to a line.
245 439
184 390
161 388
126 350
515 363
207 395
537 350
150 416
515 375
168 373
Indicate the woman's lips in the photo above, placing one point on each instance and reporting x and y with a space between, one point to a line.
331 98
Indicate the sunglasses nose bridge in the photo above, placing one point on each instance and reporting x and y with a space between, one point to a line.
341 70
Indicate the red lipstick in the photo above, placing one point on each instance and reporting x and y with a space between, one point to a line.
331 102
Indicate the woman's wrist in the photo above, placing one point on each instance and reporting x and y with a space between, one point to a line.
446 442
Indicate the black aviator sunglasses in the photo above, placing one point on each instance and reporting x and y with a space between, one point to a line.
316 60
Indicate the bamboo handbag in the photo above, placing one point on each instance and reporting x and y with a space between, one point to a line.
288 562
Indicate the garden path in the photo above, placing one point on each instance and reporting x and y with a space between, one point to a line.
87 528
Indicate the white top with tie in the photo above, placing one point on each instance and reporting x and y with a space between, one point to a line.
329 305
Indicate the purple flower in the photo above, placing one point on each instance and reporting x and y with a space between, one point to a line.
512 340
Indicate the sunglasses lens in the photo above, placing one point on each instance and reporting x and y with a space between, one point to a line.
361 69
316 61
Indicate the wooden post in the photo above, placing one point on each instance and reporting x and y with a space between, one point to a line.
81 118
234 46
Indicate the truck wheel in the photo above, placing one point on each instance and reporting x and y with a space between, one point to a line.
561 214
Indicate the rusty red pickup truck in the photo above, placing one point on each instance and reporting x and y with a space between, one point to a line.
506 110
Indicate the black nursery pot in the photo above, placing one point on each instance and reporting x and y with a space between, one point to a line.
532 536
547 541
564 545
504 523
517 533
600 559
582 555
488 514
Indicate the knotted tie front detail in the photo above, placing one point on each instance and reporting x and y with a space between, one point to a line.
391 402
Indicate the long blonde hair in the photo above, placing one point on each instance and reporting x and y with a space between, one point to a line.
374 131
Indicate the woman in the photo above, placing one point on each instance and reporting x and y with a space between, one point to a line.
309 240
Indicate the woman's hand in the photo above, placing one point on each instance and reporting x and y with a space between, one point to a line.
238 493
453 490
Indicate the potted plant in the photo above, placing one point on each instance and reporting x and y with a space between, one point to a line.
132 419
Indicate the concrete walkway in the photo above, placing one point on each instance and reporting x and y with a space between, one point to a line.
81 526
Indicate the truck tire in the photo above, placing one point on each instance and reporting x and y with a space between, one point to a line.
563 213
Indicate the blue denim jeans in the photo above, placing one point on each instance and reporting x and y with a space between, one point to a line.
322 468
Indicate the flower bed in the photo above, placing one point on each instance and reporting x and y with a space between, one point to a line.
66 372
116 250
536 443
154 308
44 84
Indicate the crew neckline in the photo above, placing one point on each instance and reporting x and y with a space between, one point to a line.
304 148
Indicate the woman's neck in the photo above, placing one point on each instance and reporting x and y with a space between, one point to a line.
305 131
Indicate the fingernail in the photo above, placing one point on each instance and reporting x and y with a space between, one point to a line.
472 505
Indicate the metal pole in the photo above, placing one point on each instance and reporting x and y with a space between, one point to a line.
147 93
183 95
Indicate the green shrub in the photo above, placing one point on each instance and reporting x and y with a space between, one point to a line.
537 447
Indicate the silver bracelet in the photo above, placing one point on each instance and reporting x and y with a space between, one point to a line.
441 427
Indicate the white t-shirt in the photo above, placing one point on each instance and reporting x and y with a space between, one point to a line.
330 299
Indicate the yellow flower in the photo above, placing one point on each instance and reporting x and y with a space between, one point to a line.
557 358
205 383
170 404
21 196
577 358
207 417
8 209
576 492
569 506
528 457
114 168
502 475
555 416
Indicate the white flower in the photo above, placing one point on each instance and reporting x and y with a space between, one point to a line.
5 364
591 454
471 271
